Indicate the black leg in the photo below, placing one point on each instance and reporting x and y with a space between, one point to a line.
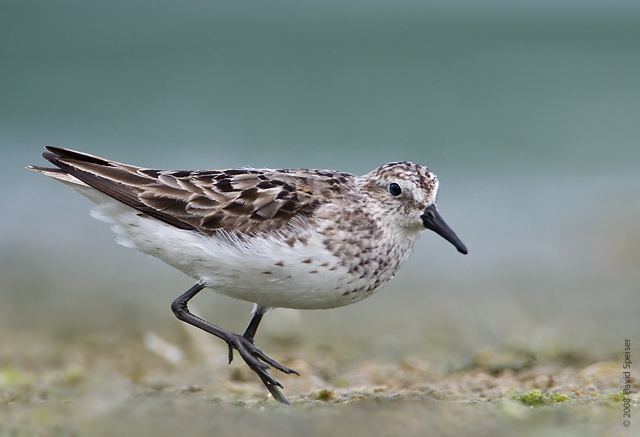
250 332
254 357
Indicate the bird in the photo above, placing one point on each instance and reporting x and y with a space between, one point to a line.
291 238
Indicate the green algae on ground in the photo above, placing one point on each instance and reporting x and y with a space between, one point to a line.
535 398
324 395
616 397
12 377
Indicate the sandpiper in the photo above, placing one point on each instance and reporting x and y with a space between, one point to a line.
306 239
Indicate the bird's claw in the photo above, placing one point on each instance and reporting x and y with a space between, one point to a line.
259 362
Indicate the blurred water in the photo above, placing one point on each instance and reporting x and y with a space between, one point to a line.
528 113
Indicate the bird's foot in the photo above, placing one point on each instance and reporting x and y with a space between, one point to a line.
259 362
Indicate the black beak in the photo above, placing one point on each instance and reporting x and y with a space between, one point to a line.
432 220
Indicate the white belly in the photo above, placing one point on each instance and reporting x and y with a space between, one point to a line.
266 271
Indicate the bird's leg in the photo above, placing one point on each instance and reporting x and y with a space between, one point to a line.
254 357
250 332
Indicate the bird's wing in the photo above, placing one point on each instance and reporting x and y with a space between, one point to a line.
244 201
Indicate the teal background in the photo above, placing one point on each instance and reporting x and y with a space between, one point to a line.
528 112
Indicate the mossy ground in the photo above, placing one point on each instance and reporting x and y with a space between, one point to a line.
104 385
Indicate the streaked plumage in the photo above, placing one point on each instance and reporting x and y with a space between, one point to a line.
305 239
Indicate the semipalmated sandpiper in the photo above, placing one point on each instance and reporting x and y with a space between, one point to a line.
306 239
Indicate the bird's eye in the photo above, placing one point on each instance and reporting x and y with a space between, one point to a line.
395 189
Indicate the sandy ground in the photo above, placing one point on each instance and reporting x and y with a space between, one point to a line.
136 383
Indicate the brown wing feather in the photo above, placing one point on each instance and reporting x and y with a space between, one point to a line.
109 178
244 201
